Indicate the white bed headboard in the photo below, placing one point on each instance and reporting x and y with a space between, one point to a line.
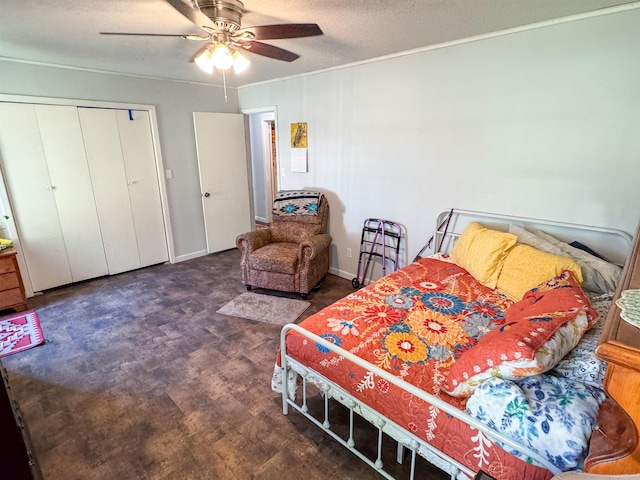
614 245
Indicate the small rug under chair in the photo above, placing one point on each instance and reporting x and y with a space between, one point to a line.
20 333
265 308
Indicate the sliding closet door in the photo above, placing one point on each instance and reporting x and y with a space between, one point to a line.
32 198
144 192
104 153
71 183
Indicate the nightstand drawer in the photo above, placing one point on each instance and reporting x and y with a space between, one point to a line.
7 264
11 297
9 281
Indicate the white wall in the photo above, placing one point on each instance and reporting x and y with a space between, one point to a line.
175 103
542 123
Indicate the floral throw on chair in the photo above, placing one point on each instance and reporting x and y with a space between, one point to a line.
292 255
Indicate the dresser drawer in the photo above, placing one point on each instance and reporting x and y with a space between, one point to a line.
11 297
7 264
9 281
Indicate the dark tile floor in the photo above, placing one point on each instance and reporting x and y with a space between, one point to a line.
140 378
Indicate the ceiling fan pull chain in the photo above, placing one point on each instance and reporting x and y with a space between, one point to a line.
224 84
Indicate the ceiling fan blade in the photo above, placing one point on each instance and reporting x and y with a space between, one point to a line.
195 15
270 51
130 34
289 30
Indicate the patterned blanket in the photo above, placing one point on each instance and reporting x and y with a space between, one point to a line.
413 323
297 202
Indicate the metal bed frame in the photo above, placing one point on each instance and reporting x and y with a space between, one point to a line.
614 243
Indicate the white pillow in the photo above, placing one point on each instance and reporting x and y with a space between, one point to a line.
531 239
604 276
599 276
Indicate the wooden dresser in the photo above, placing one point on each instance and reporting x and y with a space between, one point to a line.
616 449
11 287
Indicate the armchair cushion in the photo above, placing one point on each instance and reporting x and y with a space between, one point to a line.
279 257
294 231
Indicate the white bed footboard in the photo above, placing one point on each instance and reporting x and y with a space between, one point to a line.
384 425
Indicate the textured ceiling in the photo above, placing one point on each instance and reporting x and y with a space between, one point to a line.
65 32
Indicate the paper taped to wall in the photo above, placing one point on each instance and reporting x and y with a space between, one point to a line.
299 160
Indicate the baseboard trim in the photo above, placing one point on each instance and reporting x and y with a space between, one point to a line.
341 273
190 256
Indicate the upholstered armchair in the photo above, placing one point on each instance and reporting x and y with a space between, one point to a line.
292 255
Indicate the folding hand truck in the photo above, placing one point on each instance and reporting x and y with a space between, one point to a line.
380 239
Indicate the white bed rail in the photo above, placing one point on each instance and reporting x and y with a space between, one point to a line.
614 244
413 442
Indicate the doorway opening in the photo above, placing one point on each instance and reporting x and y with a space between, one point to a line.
264 163
271 127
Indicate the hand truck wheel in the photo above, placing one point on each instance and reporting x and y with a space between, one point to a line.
355 283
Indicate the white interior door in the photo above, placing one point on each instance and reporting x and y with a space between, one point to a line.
224 179
71 183
144 191
32 198
111 192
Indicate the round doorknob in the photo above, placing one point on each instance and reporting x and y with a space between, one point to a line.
206 195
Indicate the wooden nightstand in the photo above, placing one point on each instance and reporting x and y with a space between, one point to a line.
11 287
618 451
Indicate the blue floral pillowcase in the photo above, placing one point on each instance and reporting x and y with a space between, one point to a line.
552 414
581 363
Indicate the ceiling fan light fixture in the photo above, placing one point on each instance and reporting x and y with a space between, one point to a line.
205 59
221 57
240 62
225 38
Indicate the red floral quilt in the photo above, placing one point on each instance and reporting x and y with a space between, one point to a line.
414 323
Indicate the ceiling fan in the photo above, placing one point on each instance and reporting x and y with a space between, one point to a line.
221 22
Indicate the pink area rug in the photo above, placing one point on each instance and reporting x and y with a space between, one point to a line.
20 333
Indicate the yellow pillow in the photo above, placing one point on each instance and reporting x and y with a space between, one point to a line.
481 252
526 267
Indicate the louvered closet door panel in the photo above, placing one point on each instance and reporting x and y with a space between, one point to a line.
69 172
32 199
102 144
142 179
